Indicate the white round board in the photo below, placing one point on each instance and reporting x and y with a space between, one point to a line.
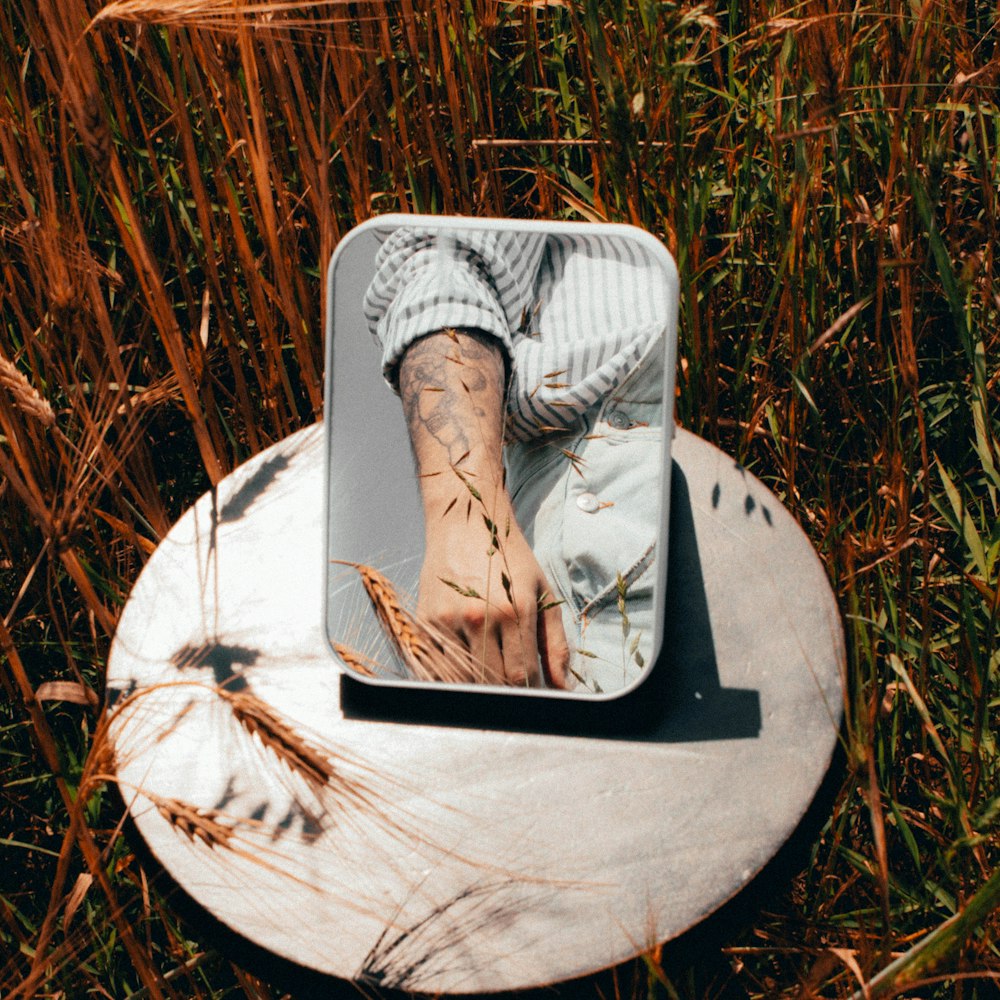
447 842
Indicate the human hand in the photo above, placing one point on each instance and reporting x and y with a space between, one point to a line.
482 586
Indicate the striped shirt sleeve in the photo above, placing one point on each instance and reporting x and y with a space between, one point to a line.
428 281
575 314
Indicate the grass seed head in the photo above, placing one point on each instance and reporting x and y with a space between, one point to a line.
195 823
276 735
24 395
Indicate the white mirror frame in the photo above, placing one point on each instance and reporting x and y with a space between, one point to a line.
373 509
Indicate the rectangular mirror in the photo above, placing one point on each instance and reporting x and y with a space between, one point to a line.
499 411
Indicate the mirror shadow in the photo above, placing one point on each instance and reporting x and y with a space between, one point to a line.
682 699
499 428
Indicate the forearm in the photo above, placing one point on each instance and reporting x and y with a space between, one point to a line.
452 388
480 582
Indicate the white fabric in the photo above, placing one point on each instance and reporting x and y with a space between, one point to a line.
593 523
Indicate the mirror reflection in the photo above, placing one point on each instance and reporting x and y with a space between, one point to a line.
526 370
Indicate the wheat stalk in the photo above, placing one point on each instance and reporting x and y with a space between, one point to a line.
219 14
260 720
26 397
203 825
352 787
353 791
257 718
164 390
426 651
195 823
399 625
355 660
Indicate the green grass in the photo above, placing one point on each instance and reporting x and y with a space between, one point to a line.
173 180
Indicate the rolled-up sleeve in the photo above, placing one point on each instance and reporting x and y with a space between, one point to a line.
430 280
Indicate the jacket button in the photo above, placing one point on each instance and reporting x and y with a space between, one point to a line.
588 503
620 421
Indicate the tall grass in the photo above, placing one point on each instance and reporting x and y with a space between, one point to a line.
176 173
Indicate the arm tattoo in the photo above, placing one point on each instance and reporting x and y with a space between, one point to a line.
443 377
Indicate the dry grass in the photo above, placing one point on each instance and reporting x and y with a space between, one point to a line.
174 178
